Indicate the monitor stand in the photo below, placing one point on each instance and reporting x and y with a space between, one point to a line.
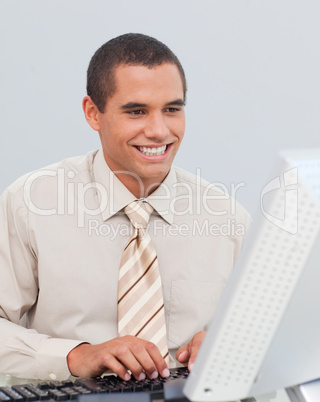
308 392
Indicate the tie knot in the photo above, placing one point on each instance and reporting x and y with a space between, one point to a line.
139 213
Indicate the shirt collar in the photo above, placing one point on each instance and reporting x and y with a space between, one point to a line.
161 198
117 196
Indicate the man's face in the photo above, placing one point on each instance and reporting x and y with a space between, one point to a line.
143 124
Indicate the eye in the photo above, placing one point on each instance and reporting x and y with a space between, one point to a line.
172 109
135 112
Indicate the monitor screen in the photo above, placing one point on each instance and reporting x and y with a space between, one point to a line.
266 332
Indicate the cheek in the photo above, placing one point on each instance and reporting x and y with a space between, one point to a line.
128 130
112 137
179 129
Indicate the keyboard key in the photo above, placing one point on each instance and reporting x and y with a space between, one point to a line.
81 390
43 385
71 392
42 395
58 395
4 397
14 396
67 383
56 384
24 391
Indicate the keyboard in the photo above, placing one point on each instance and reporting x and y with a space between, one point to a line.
71 390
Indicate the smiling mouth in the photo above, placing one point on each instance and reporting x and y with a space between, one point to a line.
153 151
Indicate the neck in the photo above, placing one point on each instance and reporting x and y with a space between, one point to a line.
140 188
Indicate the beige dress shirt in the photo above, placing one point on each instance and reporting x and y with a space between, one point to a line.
62 235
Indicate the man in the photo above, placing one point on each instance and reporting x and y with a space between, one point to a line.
64 231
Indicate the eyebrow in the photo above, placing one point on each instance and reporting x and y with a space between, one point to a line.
133 105
177 102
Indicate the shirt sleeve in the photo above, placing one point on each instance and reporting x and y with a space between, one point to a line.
23 352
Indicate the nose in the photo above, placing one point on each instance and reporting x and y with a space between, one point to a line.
156 127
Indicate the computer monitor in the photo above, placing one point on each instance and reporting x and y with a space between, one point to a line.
266 332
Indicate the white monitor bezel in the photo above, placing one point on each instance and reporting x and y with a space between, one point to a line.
243 344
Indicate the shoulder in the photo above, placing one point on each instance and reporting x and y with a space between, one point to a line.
43 184
74 166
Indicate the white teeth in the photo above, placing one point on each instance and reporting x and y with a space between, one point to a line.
153 151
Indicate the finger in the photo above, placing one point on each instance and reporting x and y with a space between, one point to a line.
194 347
193 354
110 362
158 361
146 365
182 354
130 356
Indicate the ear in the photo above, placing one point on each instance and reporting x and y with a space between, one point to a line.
91 113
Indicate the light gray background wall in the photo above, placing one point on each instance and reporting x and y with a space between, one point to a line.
252 68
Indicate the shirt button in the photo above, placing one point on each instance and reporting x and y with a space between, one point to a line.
53 376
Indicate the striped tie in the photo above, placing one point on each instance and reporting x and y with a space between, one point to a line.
140 299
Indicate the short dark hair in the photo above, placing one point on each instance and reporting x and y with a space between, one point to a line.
128 49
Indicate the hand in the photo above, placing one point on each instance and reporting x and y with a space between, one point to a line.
188 353
118 355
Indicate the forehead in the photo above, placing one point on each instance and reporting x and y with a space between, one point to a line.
162 81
